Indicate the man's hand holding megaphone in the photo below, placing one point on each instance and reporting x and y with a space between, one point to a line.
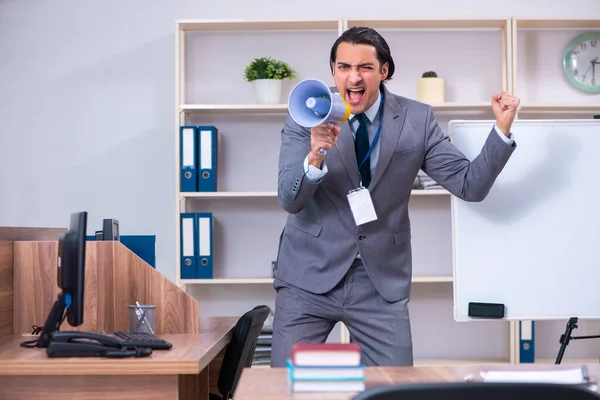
313 105
323 136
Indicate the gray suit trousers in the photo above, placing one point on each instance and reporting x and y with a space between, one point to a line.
381 328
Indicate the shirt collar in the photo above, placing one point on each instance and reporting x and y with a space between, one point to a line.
371 112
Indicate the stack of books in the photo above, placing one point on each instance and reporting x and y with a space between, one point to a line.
326 367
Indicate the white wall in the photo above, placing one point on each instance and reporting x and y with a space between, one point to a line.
87 99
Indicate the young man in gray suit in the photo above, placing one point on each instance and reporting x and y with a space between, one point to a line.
347 257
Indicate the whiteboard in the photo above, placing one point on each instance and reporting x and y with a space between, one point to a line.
533 244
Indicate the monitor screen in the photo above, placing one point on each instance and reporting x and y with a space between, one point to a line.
71 267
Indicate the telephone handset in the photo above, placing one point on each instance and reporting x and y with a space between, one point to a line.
89 344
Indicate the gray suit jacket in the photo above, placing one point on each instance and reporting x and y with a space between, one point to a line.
320 239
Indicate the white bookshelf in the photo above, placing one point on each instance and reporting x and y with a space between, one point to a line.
247 281
209 62
273 25
439 24
559 108
282 108
242 195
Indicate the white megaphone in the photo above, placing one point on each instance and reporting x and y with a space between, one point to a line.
312 103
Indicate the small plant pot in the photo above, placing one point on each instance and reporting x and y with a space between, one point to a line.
430 90
268 91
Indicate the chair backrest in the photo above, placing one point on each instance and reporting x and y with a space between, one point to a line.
479 390
240 350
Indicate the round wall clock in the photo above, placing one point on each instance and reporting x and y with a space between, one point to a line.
581 62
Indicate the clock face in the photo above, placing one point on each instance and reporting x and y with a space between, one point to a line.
581 62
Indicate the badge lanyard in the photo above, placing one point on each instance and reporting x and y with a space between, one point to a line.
374 140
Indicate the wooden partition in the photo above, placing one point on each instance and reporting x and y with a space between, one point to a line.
8 235
114 278
6 289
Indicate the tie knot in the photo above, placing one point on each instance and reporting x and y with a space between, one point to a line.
361 118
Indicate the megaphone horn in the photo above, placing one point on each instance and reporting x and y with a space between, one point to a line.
312 103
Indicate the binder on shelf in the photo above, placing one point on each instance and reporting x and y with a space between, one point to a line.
205 245
188 158
526 342
144 246
207 158
188 246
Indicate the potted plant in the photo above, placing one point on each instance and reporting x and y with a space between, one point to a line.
430 88
267 74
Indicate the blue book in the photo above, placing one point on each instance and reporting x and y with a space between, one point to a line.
208 153
526 342
325 372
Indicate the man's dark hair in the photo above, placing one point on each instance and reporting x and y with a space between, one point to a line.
365 35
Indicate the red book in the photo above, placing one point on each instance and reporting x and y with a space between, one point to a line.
326 354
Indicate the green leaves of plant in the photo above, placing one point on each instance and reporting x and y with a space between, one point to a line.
268 68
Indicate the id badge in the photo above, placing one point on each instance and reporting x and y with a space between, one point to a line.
361 206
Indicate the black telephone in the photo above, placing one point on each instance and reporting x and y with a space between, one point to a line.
88 344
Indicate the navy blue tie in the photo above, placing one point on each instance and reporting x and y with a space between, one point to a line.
362 148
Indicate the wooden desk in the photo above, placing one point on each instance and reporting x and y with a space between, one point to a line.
272 383
181 372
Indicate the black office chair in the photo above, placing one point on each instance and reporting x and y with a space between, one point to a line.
240 351
478 391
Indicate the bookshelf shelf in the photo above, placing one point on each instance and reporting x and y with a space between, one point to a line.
243 195
432 24
430 192
225 195
560 108
282 108
556 24
187 25
432 279
476 106
228 281
259 281
235 108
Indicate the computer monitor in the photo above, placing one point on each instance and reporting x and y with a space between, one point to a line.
70 278
70 271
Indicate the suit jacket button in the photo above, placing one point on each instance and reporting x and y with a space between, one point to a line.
360 237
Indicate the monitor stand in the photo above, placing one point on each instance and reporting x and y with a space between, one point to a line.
53 321
566 338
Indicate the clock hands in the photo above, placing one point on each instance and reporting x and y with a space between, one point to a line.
593 68
594 62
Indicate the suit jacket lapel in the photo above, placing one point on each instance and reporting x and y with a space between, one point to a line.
345 148
391 128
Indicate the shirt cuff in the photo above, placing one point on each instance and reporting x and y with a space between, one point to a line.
313 173
508 140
